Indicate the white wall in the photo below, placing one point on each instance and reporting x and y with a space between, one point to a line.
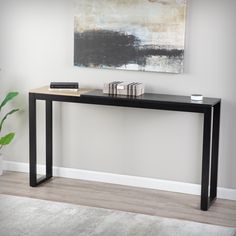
37 47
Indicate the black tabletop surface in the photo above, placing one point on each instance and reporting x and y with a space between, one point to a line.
156 97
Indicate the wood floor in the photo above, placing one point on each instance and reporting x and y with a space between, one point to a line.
138 200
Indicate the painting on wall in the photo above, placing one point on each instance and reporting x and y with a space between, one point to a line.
143 35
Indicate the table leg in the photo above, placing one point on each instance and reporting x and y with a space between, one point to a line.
32 140
206 160
34 181
49 141
215 151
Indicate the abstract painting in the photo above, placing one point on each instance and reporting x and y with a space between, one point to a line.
143 35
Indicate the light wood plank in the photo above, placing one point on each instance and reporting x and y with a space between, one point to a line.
60 92
124 198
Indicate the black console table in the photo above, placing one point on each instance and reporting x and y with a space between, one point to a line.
209 107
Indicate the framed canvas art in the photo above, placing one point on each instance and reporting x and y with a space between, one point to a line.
143 35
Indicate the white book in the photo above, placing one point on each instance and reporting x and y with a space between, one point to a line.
139 89
122 88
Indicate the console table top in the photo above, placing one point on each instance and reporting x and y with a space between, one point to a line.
156 98
149 97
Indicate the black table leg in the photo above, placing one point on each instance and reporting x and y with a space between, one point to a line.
34 181
206 160
49 139
215 151
32 140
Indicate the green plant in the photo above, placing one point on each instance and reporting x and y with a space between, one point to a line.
6 139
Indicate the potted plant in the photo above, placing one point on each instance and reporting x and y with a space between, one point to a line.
6 138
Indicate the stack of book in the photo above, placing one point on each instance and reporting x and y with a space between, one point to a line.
124 88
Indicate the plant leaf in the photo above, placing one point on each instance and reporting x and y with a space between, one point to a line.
9 97
7 139
5 117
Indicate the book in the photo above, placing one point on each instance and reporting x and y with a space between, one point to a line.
139 89
111 88
129 92
64 85
122 88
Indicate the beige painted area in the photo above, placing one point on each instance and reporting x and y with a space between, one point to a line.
145 19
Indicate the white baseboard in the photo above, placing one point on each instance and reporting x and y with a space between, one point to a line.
127 180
